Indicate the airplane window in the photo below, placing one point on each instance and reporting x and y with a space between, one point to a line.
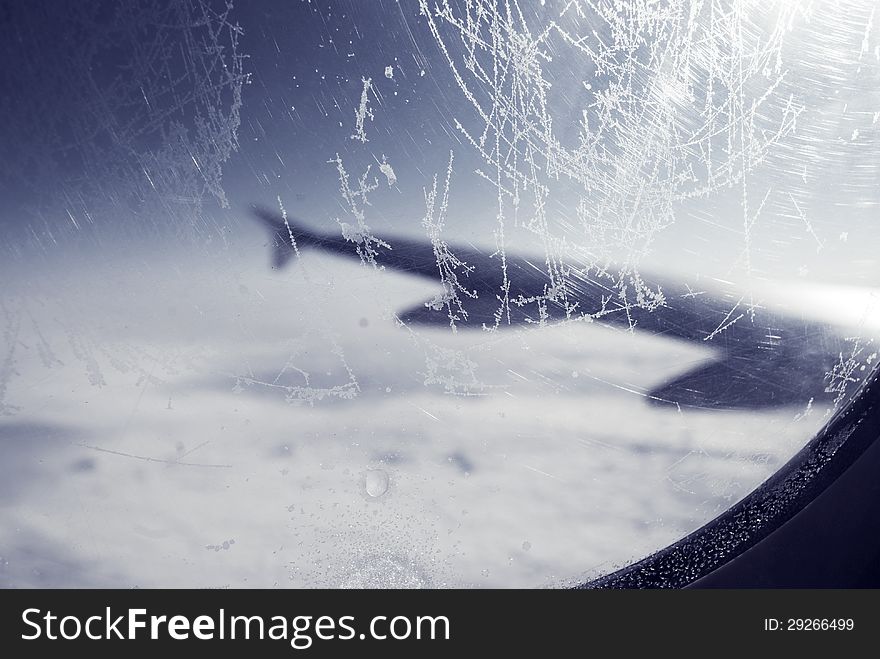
430 293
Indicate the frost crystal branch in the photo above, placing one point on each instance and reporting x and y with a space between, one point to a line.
677 100
363 112
357 201
448 264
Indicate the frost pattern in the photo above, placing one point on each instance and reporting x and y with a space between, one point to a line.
807 224
357 201
729 321
449 265
305 392
681 99
453 370
363 112
138 106
849 370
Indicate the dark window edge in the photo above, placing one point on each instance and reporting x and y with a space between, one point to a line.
755 520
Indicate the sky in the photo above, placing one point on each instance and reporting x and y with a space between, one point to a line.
82 129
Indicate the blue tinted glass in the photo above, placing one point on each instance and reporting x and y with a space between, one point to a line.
420 293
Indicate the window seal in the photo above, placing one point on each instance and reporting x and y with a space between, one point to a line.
844 439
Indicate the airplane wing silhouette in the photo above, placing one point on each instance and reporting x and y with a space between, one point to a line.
771 361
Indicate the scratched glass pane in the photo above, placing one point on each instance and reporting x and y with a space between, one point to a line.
477 293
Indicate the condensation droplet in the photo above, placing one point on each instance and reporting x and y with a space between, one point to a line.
376 482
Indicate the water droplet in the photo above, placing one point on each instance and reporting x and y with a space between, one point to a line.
526 545
376 482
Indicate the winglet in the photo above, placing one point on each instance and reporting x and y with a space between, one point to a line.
286 236
751 380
